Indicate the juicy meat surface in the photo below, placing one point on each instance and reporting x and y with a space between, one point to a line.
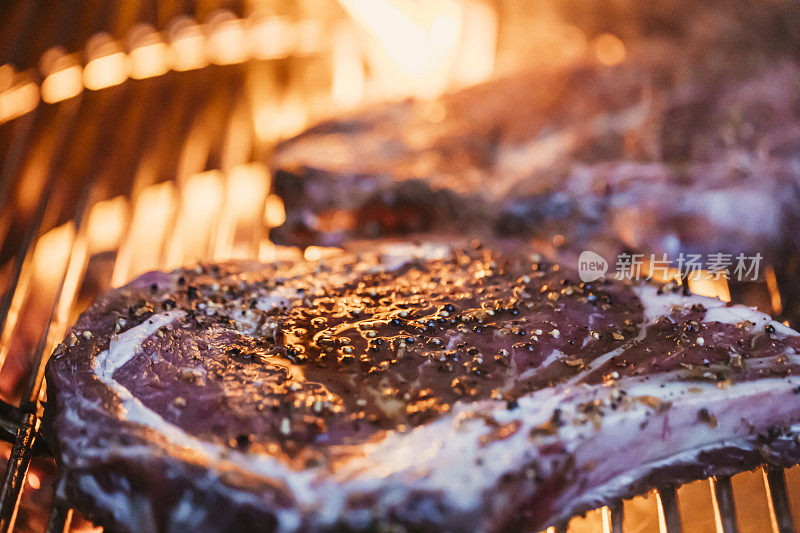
432 386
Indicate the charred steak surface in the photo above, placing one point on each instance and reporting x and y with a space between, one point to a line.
426 385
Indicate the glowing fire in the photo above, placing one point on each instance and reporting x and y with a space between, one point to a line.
188 44
423 48
608 49
149 55
274 211
245 188
411 48
141 249
51 254
701 282
201 198
270 37
17 95
227 42
714 288
109 66
63 75
106 224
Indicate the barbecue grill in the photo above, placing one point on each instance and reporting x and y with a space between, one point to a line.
134 137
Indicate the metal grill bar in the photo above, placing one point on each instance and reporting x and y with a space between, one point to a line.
60 518
21 135
779 499
723 490
617 516
17 470
669 504
65 124
26 434
31 396
60 514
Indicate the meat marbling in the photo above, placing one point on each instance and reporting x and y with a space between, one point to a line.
431 386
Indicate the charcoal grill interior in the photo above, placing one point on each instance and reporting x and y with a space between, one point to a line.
135 135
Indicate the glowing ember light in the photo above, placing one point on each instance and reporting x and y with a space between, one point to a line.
227 43
18 100
608 49
348 69
475 56
106 71
415 43
315 253
51 254
270 37
592 521
568 45
641 511
142 247
201 199
33 480
150 60
62 84
266 251
72 278
149 55
714 288
274 212
8 76
312 253
17 97
279 121
310 36
244 196
188 43
106 223
774 293
263 112
202 193
245 189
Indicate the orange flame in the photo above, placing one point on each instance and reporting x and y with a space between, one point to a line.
423 48
106 224
608 49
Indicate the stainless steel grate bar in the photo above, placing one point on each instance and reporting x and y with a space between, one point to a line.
17 470
780 500
31 393
727 512
617 516
669 503
60 514
25 438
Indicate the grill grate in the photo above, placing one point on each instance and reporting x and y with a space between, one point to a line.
89 181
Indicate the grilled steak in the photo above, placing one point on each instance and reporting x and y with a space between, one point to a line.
431 386
656 155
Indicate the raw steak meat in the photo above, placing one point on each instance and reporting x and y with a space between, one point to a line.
430 386
654 156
